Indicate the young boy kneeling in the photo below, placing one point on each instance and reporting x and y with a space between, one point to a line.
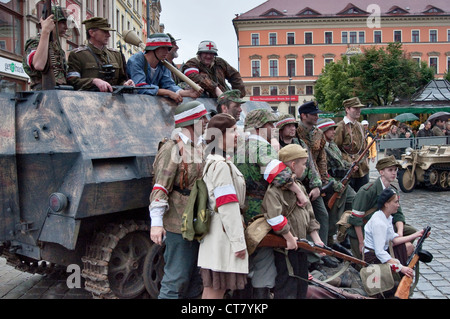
292 222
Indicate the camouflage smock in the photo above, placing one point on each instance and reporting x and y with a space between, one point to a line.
260 166
58 59
168 177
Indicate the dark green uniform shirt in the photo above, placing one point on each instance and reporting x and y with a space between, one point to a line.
85 65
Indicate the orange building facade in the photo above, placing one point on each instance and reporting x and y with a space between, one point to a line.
284 45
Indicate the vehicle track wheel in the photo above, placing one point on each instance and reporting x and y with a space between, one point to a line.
443 179
154 270
114 262
433 177
406 180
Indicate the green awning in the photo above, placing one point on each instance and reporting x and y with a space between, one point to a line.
415 109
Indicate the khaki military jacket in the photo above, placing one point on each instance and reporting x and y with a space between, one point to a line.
316 145
351 140
437 131
209 78
173 179
84 67
57 57
279 204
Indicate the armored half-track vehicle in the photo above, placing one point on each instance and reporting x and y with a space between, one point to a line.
428 166
75 178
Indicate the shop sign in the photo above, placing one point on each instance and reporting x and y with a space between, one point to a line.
12 67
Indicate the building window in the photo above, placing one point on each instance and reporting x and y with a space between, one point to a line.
256 69
309 67
255 38
291 68
290 38
273 90
353 37
398 36
448 35
377 36
417 59
448 64
273 67
415 36
11 26
362 37
308 38
328 37
344 37
309 90
434 64
328 60
256 91
433 35
272 38
291 89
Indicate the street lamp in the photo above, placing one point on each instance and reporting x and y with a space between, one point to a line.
292 112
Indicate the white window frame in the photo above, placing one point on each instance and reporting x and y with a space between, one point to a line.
304 66
312 37
401 35
437 62
295 67
413 37
429 35
251 67
278 68
276 38
251 39
287 37
325 37
381 36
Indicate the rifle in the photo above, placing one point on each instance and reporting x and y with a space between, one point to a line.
404 287
346 178
48 77
271 240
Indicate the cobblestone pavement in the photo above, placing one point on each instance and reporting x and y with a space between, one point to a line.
421 208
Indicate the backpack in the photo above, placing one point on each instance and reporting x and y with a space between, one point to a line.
196 217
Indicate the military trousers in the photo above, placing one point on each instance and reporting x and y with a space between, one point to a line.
341 205
181 278
290 265
321 215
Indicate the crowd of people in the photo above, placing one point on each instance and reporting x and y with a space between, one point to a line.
279 178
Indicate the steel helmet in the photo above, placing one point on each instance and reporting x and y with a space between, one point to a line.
207 46
188 113
158 40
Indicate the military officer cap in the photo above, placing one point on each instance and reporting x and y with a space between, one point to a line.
325 124
353 102
188 113
292 152
285 119
257 118
231 95
98 23
387 162
310 107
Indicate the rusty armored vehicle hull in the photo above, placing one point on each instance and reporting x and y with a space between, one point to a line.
428 166
75 178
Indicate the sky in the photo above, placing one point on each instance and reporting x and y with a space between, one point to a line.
196 20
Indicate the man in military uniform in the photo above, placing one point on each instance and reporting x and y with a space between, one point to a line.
178 164
314 139
230 102
95 66
210 72
365 204
260 166
351 140
37 50
337 168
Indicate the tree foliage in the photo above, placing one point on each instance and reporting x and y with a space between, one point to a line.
378 76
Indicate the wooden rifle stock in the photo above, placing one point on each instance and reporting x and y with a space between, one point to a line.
275 241
404 287
182 76
48 77
346 178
